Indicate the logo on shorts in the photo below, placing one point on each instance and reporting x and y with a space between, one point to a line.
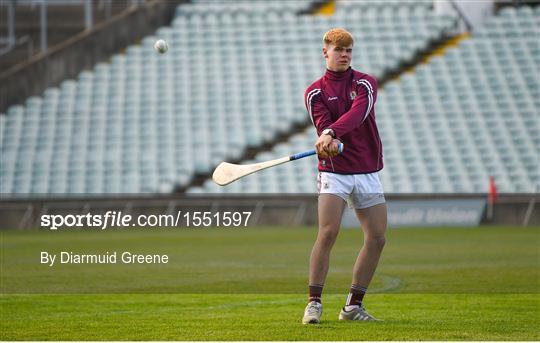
352 95
325 185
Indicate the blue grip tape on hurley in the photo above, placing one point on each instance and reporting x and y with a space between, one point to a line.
303 154
312 152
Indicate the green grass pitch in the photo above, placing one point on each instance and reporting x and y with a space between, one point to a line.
250 284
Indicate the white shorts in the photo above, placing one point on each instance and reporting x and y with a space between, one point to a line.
358 190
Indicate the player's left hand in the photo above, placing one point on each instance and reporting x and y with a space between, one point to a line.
327 146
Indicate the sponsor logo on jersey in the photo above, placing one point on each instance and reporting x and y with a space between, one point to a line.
330 98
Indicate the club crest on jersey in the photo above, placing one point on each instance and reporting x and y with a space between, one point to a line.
352 95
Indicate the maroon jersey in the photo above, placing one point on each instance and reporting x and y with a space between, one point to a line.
345 102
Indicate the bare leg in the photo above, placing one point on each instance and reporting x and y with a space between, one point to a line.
330 209
373 220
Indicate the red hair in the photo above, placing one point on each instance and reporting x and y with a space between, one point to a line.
338 37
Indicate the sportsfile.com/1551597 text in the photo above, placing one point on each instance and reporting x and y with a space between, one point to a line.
117 219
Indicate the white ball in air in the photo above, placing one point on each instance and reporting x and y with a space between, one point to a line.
161 46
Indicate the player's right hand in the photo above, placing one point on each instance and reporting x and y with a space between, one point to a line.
327 146
322 145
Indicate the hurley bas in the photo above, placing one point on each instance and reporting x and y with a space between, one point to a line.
126 257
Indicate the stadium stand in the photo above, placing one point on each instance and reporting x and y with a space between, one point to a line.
233 79
464 116
64 19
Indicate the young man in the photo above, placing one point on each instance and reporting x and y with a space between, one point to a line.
341 106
